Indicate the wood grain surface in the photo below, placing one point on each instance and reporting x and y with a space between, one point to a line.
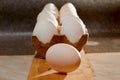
15 67
106 66
39 66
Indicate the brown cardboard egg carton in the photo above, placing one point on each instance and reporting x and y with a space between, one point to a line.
41 48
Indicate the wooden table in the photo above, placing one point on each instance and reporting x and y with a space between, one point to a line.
40 67
106 66
15 67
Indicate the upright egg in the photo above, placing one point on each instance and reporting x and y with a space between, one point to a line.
63 57
44 30
72 26
50 7
67 10
47 15
73 29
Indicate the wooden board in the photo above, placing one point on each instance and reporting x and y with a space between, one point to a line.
39 66
106 65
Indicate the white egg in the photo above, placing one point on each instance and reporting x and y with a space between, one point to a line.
68 6
68 9
68 17
63 57
67 14
46 26
72 26
73 29
44 30
51 8
45 16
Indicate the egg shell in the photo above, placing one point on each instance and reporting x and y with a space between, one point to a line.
72 18
63 57
73 30
52 8
66 15
69 17
68 9
68 6
47 15
44 30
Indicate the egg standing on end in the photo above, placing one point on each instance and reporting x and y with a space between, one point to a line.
50 7
63 57
72 26
46 26
44 31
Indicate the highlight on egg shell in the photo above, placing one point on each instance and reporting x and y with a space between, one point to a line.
63 57
51 8
68 9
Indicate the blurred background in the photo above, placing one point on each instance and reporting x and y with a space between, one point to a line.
18 18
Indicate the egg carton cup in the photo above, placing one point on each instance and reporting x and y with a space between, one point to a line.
41 48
